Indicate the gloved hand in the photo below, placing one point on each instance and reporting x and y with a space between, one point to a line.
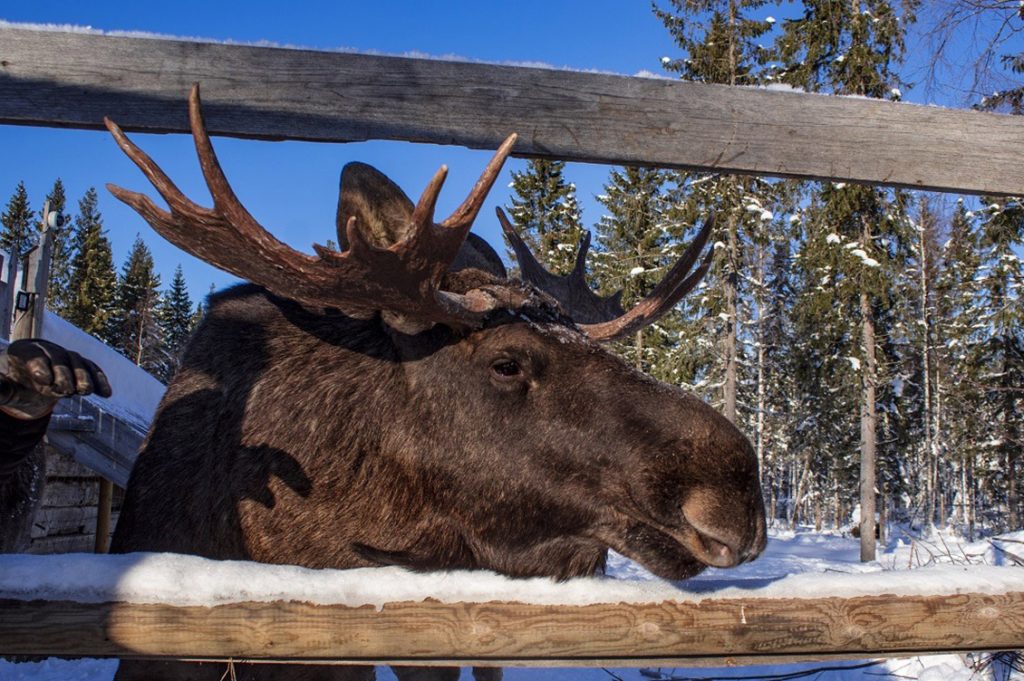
35 374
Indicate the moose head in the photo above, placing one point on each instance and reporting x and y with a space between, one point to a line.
400 401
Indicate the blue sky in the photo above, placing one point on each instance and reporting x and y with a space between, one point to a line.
291 187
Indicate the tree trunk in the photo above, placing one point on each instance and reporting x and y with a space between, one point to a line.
971 483
801 489
931 460
867 423
1009 438
883 514
729 387
761 359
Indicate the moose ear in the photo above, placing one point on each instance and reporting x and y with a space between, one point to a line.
383 212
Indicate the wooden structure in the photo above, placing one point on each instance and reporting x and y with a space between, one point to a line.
711 632
74 79
86 450
66 520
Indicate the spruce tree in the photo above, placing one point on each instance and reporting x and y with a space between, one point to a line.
58 290
19 233
133 326
545 212
963 425
719 39
177 318
1000 350
635 251
854 48
93 281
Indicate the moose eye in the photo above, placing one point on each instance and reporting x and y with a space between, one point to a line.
506 368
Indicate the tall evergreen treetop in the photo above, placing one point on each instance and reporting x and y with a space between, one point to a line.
722 49
19 233
545 212
177 319
851 47
132 326
93 281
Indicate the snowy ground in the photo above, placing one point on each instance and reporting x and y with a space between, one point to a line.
803 558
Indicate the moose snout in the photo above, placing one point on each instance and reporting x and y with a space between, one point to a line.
724 536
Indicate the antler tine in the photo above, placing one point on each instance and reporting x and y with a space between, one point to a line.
463 217
579 270
160 181
677 283
424 211
238 219
532 270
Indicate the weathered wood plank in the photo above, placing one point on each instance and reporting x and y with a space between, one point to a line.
73 80
517 633
71 543
61 465
64 520
63 493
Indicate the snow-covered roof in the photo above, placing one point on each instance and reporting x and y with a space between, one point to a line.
136 392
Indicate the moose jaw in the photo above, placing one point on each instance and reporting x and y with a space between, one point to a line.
402 401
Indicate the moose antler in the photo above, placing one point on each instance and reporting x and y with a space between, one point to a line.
403 279
583 304
571 290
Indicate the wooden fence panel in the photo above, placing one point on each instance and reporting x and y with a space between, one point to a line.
74 79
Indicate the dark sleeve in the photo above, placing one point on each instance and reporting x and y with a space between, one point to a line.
17 439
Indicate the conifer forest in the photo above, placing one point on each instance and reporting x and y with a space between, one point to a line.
840 325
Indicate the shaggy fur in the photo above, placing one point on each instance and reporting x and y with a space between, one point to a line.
312 438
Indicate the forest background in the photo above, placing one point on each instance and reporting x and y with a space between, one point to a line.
840 326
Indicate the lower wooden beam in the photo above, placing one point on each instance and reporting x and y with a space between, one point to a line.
712 631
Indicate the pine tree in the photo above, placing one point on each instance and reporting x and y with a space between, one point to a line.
963 425
720 41
854 48
177 319
635 252
1000 353
58 291
93 281
133 326
19 233
545 212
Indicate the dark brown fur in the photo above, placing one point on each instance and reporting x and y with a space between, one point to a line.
312 438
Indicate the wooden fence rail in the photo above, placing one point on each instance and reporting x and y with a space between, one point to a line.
712 631
74 79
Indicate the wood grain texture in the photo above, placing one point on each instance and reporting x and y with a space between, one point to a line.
73 80
515 633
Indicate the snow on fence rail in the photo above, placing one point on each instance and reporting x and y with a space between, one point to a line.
170 606
73 79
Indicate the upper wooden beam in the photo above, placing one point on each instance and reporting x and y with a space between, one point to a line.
712 631
74 79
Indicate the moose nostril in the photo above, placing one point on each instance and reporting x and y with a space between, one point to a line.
717 553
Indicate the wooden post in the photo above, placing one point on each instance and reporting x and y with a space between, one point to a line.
7 299
35 277
103 513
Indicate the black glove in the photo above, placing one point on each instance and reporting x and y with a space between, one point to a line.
35 374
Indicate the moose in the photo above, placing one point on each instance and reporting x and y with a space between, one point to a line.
402 401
